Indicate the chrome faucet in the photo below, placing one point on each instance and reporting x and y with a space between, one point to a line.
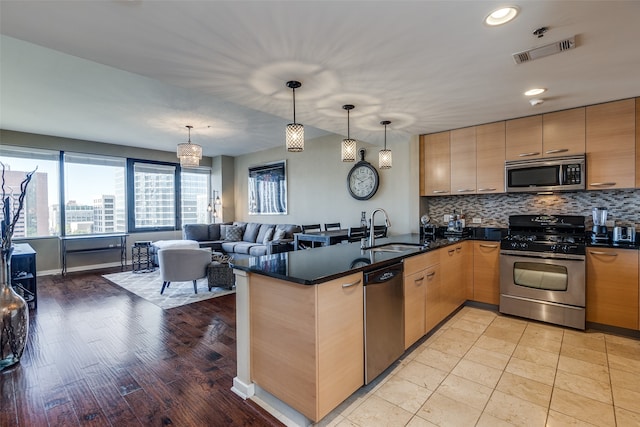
387 223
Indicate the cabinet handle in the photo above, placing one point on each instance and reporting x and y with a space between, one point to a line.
533 153
486 189
559 150
433 273
459 248
419 280
348 285
603 253
466 190
602 184
439 191
451 251
482 245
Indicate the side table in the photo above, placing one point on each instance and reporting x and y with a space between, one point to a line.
220 275
141 261
23 273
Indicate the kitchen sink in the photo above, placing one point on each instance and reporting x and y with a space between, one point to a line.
396 247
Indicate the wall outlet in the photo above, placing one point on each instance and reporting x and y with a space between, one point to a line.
611 223
477 220
446 218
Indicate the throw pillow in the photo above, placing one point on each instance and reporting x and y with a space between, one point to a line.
234 234
267 236
251 232
279 234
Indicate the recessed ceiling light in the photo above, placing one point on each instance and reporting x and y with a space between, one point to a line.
501 16
534 92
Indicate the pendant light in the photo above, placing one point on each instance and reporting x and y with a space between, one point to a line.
188 153
348 144
214 205
295 131
384 156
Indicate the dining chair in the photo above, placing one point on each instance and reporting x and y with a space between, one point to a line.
306 229
379 231
356 233
332 226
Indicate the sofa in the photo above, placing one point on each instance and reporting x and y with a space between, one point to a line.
243 238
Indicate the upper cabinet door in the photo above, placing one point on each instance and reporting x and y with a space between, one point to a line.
435 161
463 161
490 156
563 133
611 145
524 138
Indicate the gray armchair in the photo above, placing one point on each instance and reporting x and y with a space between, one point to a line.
182 265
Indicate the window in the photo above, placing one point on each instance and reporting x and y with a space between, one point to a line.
94 194
195 192
40 216
102 194
152 203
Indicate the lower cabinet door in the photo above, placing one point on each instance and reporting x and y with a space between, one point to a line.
436 304
612 287
415 296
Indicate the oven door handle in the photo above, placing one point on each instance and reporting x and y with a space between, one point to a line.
544 255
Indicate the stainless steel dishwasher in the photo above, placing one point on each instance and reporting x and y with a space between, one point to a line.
383 319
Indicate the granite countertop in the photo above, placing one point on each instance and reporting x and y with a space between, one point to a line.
313 266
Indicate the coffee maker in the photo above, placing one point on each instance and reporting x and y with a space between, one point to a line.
428 230
599 233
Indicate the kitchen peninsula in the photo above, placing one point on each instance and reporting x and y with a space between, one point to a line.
300 323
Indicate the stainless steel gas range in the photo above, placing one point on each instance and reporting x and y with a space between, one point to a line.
542 269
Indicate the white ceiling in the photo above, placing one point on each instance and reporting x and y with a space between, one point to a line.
137 72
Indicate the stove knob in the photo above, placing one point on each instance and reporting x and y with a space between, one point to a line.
554 248
514 245
524 245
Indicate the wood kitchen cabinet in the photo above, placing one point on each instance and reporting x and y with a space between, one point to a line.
612 287
435 311
611 145
563 133
523 138
454 266
637 142
490 156
419 278
307 342
463 160
435 164
486 272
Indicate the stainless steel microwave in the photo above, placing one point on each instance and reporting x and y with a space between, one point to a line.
548 174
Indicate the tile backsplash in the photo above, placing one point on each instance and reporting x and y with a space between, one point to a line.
494 209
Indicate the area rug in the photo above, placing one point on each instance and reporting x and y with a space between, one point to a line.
148 285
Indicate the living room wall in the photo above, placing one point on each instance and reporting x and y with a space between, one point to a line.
317 185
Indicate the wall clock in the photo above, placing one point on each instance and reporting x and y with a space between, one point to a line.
363 179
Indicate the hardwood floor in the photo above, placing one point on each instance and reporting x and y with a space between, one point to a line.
99 355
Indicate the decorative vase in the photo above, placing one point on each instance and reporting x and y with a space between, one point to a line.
14 318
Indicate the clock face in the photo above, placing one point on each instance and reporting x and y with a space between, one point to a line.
362 181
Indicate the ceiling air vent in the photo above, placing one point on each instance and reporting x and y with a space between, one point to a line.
546 50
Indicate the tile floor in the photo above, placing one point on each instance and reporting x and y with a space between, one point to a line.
485 369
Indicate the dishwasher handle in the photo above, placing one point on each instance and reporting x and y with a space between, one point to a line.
383 275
